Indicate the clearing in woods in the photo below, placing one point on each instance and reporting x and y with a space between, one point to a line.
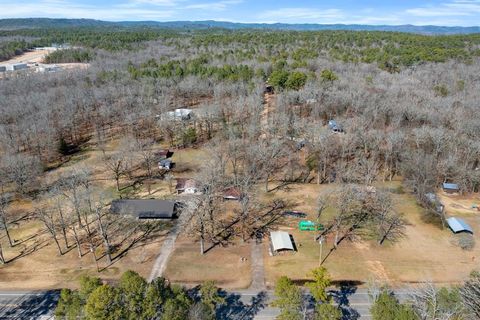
37 56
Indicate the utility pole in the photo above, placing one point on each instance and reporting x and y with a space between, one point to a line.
320 241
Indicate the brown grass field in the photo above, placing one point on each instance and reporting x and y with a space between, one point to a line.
224 265
425 254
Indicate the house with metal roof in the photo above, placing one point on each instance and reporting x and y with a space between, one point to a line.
145 208
450 187
458 225
281 241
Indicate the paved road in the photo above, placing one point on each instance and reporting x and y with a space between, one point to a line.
254 305
28 305
241 305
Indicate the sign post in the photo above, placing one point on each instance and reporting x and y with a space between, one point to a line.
320 241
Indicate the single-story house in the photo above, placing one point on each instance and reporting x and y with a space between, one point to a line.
165 164
145 208
458 225
450 187
187 186
281 241
232 193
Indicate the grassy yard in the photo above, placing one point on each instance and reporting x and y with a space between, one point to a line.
34 262
426 253
222 264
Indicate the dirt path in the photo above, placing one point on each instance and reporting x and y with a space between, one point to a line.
34 56
268 107
258 270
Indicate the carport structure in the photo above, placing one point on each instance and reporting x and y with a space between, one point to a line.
281 241
457 225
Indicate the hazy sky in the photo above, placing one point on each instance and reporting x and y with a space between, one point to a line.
436 12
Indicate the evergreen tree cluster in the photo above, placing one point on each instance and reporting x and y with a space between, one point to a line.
134 298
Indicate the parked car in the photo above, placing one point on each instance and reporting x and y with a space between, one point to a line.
294 214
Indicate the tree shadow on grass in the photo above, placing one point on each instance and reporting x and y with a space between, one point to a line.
148 234
29 250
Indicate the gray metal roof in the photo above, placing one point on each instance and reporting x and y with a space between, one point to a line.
144 208
458 225
450 186
281 241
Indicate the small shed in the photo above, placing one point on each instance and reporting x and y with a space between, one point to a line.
450 187
281 241
165 164
458 225
232 193
334 126
187 186
180 114
145 208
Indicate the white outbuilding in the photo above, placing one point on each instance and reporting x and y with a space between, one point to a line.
281 241
17 66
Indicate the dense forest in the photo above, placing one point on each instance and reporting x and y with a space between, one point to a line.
389 49
403 99
407 103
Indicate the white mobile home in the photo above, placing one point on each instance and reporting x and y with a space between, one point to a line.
17 66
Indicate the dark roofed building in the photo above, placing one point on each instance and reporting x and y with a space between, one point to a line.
145 208
163 154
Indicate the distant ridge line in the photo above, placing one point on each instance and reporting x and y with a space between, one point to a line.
12 24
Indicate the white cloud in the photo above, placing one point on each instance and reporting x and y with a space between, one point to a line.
162 3
216 6
447 9
64 9
301 14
